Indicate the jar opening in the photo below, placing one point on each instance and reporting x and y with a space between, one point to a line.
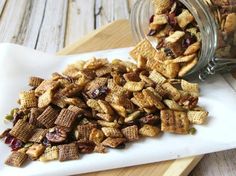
143 10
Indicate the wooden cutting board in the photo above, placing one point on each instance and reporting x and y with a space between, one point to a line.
118 35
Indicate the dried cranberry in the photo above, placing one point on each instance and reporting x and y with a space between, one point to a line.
172 20
13 142
100 91
188 40
104 90
169 52
151 19
9 139
16 144
46 142
96 93
152 32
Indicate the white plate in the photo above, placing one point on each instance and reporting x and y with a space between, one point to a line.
18 63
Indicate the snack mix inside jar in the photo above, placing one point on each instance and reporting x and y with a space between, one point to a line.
199 35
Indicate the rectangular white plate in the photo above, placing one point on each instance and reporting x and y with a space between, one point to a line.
18 63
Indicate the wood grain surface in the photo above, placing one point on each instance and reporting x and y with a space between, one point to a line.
50 25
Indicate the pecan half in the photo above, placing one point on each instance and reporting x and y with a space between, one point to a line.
56 135
149 119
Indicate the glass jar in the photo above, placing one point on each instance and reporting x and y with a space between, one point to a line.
210 16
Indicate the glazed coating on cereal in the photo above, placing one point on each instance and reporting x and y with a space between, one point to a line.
96 104
98 111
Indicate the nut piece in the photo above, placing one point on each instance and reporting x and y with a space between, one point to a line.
149 119
35 151
149 130
56 135
188 101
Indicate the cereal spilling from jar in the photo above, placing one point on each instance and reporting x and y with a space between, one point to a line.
95 105
178 40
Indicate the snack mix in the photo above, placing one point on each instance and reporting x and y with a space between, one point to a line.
94 105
